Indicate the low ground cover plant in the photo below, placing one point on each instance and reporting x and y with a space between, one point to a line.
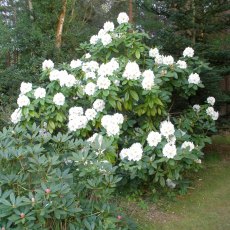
112 109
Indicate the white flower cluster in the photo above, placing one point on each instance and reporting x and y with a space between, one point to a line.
59 99
76 119
194 79
167 129
99 105
111 123
148 81
169 150
63 77
154 52
90 66
103 35
212 113
90 114
47 64
75 63
134 153
211 100
25 87
154 138
16 116
165 60
188 144
90 88
132 71
188 52
103 82
108 68
196 108
23 100
181 64
39 93
170 183
122 18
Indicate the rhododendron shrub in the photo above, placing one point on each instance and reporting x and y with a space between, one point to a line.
122 89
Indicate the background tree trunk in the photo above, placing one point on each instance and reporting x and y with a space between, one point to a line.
60 25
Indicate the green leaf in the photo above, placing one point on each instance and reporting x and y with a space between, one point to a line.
137 54
134 95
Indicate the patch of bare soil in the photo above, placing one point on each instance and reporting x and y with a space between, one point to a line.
150 212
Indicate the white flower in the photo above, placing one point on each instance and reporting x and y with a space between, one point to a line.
54 75
75 111
101 33
153 52
90 88
79 122
106 120
188 144
132 71
25 87
114 65
118 118
23 100
124 153
112 129
16 116
210 111
154 138
107 69
103 83
108 26
196 108
169 150
215 115
167 128
148 81
211 100
111 123
62 76
194 78
67 80
106 39
59 99
168 60
99 105
122 18
91 75
39 93
75 63
136 152
90 114
188 52
198 161
88 55
181 64
47 64
159 59
91 66
94 39
170 183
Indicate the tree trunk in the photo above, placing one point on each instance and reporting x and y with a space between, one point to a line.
60 25
131 11
30 5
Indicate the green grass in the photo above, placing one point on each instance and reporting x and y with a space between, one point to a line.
205 207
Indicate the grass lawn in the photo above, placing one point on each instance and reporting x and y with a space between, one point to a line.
205 207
